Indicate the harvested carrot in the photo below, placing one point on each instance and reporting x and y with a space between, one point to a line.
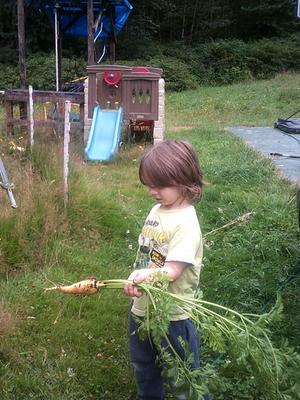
87 287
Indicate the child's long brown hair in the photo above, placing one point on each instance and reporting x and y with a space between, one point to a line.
173 163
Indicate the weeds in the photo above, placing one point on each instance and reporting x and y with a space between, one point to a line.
78 349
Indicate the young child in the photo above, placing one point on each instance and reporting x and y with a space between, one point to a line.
170 242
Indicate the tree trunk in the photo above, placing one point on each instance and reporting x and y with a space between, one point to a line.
193 21
183 21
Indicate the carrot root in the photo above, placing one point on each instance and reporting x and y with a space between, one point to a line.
86 287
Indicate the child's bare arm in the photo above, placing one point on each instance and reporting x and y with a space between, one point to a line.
173 269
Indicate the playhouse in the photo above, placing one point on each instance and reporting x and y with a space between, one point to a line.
114 97
120 93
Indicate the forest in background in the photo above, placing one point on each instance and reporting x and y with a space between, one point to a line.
195 42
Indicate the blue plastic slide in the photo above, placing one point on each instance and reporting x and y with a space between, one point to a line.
104 135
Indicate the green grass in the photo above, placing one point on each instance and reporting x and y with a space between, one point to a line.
58 347
248 103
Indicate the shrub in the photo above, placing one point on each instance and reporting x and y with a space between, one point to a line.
41 72
185 67
9 77
266 57
177 74
221 62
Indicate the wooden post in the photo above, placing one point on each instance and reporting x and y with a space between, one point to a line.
22 55
113 36
81 113
21 41
66 150
112 51
9 112
90 24
30 114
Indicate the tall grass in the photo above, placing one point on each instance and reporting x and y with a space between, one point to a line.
76 348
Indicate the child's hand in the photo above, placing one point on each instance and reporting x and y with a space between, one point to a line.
137 276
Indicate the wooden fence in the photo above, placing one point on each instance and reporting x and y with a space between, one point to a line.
20 97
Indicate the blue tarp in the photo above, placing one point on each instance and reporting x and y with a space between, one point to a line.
73 15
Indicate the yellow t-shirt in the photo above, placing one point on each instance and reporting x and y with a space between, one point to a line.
171 235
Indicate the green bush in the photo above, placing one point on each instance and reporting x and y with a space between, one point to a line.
41 72
9 77
267 57
221 62
140 48
225 61
177 74
185 67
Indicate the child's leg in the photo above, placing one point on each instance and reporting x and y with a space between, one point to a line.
147 371
187 331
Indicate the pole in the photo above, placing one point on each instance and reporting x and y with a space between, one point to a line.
22 54
31 120
90 24
66 150
21 41
113 36
112 51
56 34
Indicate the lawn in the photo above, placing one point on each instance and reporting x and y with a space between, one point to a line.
58 347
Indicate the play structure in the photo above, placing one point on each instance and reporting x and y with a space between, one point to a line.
98 20
116 97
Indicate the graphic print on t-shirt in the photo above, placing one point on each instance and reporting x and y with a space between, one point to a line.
153 246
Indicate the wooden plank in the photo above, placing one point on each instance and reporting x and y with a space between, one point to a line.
13 95
93 69
16 121
43 96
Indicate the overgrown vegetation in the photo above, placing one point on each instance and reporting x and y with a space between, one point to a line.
219 42
73 348
159 22
185 67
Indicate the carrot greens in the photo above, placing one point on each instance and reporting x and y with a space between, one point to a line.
231 337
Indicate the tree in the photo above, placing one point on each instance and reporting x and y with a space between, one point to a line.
257 19
8 31
188 21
